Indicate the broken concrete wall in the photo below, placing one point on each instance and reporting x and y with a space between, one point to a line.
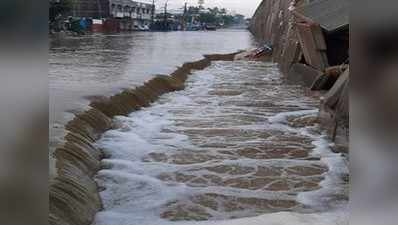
273 24
335 112
303 58
313 45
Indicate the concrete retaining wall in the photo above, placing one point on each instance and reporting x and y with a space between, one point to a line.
73 193
274 24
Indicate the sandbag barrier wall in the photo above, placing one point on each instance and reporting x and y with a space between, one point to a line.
73 193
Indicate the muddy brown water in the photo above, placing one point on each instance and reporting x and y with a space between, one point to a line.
103 64
85 67
237 142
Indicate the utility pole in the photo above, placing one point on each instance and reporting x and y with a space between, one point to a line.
184 16
165 15
100 15
74 8
153 12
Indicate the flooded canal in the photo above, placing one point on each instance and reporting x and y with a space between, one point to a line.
237 142
102 65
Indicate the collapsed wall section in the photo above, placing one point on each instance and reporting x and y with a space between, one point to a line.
310 43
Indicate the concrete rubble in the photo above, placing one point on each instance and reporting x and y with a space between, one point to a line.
310 42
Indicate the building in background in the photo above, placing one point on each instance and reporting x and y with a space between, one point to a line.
113 15
140 13
90 8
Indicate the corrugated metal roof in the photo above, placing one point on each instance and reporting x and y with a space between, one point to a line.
330 14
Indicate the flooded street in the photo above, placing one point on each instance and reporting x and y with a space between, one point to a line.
237 142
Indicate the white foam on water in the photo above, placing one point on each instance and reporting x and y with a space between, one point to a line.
288 218
282 117
333 184
133 195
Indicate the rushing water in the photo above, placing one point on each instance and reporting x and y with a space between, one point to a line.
237 142
103 64
99 64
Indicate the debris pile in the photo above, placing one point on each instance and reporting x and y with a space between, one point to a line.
258 54
310 42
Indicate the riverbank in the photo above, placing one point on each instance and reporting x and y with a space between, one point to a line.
237 142
103 65
85 67
74 195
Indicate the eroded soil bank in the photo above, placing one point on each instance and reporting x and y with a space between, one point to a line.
237 142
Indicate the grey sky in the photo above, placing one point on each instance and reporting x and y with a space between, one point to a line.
245 7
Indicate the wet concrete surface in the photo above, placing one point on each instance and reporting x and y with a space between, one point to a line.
103 65
238 142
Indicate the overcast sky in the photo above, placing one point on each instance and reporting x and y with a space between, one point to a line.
245 7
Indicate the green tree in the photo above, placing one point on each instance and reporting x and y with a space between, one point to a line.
227 19
214 11
209 18
239 19
193 10
214 16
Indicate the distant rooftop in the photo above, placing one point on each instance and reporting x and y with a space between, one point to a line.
130 3
331 15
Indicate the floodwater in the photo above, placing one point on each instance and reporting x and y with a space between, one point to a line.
92 65
236 143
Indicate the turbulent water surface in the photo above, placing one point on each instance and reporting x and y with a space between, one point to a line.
104 64
236 143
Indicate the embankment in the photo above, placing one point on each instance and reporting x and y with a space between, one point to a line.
73 192
299 51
